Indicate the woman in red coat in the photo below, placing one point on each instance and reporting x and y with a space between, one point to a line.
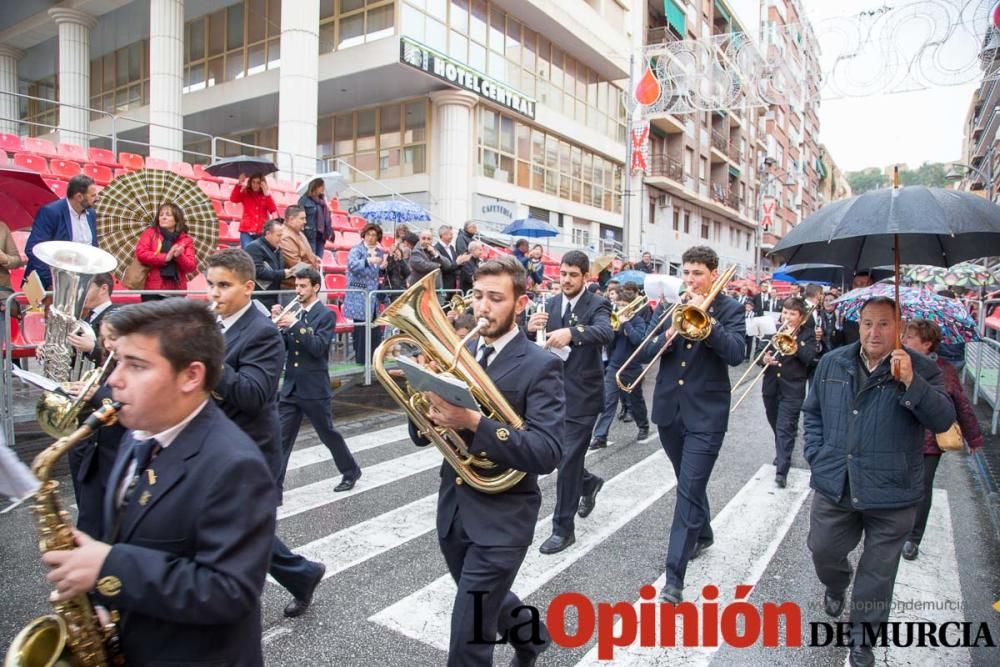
168 251
258 207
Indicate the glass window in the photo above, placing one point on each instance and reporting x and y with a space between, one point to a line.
488 128
438 9
327 8
477 57
389 126
234 27
477 21
459 16
529 46
497 29
437 35
352 31
380 22
458 46
507 134
351 5
216 72
416 121
513 47
324 138
343 134
388 163
274 53
523 141
256 21
256 58
366 129
217 33
414 160
196 39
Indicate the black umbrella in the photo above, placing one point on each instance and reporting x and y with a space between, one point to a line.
232 167
834 274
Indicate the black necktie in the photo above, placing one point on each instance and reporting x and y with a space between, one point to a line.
487 351
567 314
143 454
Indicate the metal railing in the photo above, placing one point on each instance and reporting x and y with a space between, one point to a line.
982 363
661 164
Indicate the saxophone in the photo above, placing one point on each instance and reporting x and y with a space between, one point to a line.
73 635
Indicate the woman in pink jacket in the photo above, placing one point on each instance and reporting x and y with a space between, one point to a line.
258 206
168 251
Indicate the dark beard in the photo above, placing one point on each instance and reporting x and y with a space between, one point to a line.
502 327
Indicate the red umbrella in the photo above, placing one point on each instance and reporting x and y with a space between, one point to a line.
22 193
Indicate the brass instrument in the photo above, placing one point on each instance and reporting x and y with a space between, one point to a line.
688 321
73 635
424 325
785 342
58 414
627 311
295 307
459 302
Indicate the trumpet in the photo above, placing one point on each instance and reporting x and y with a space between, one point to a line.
459 302
627 311
785 342
687 320
294 308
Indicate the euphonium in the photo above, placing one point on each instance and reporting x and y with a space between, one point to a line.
73 635
57 414
423 324
627 311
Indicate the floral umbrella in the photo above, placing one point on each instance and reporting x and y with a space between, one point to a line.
394 211
963 274
957 326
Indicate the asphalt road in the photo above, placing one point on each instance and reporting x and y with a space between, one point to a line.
386 599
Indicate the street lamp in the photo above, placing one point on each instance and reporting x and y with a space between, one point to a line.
955 175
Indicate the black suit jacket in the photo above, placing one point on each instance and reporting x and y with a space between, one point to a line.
693 385
248 390
269 265
530 378
450 271
190 562
771 305
307 342
583 371
91 463
467 274
787 380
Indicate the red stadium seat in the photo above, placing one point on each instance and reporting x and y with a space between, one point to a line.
347 240
101 174
357 222
226 235
131 161
234 209
335 283
73 152
329 261
4 160
341 221
102 156
182 169
57 186
198 287
11 143
157 163
35 163
219 210
341 258
33 328
121 172
202 175
211 189
344 325
40 147
64 168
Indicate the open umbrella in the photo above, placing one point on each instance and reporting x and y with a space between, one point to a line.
963 274
22 193
334 183
129 204
601 263
232 167
631 276
530 228
392 210
957 326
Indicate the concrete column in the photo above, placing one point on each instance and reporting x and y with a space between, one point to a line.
298 94
8 87
74 73
166 79
451 155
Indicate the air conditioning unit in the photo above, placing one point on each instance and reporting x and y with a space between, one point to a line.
663 201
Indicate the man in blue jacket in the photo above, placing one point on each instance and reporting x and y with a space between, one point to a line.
864 438
70 219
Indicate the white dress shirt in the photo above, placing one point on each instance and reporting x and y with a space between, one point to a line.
497 345
231 320
80 225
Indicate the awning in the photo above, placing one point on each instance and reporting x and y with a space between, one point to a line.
675 17
734 171
722 12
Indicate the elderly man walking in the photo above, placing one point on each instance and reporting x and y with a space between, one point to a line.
864 433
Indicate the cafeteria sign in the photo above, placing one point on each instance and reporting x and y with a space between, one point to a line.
442 67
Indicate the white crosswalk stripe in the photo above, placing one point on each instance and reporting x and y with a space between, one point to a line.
308 456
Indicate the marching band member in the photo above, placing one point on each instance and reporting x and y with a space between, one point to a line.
484 537
784 385
691 404
581 322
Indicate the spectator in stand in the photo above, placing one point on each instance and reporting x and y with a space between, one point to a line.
534 265
295 247
319 225
365 262
646 263
465 237
628 266
10 258
924 336
269 262
425 258
521 251
258 206
835 291
475 252
451 261
168 251
70 219
397 268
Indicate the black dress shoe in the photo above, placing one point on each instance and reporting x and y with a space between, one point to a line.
556 543
627 418
700 546
671 594
523 661
861 656
643 434
599 443
910 550
621 415
347 483
833 604
589 500
298 606
779 480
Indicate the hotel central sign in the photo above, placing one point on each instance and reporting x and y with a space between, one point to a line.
451 71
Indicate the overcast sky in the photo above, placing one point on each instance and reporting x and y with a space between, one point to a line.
880 129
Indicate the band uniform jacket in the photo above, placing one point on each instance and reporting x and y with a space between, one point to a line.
590 325
531 380
307 344
627 339
248 390
788 378
93 460
187 569
766 303
693 382
269 267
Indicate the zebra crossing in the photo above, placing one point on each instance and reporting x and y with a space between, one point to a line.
390 518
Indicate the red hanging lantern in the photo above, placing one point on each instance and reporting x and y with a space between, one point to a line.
995 16
648 90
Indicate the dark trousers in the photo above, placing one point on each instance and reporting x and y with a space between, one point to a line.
783 416
491 570
574 479
635 400
359 342
924 508
835 529
319 414
294 572
693 456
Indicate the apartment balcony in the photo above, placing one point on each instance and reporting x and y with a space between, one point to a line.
666 166
661 35
989 136
667 123
735 152
719 147
988 106
726 195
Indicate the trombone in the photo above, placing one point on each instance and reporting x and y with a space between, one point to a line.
786 342
627 311
687 320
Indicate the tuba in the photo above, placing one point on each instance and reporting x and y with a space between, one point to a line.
73 635
73 266
423 324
